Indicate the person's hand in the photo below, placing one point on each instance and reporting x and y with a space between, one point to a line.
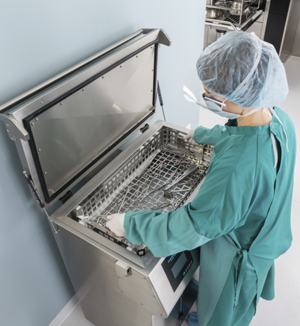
190 137
115 224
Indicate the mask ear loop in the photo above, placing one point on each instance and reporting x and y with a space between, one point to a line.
250 112
223 104
244 115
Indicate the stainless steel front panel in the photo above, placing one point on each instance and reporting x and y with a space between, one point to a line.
72 133
110 298
104 243
95 280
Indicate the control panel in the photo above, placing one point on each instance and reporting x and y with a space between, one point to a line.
176 267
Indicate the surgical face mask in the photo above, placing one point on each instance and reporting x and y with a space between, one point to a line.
209 102
220 108
217 107
196 94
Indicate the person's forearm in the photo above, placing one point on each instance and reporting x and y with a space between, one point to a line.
163 233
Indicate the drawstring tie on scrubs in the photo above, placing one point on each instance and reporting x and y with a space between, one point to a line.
240 272
273 137
286 137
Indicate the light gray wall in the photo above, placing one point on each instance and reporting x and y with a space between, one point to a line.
39 39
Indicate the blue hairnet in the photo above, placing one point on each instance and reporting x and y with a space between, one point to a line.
244 70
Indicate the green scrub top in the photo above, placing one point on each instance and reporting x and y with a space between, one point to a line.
240 218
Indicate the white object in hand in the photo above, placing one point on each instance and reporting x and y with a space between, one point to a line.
190 137
115 224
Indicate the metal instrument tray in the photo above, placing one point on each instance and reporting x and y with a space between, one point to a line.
154 159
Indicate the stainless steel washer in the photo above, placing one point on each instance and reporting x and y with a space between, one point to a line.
69 127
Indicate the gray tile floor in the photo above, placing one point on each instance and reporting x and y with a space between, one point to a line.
284 310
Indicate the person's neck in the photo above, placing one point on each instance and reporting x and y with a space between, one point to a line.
258 118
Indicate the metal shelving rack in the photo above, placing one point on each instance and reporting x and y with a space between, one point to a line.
240 22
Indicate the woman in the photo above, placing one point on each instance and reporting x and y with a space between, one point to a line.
241 215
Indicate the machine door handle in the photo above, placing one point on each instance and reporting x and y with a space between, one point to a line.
122 269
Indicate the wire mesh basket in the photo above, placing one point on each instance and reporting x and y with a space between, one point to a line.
139 184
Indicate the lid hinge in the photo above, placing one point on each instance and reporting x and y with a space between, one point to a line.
66 197
39 199
143 129
14 129
161 100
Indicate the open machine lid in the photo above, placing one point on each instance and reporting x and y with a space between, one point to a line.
75 120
